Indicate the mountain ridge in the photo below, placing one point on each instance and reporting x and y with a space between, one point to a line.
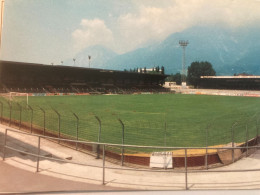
227 50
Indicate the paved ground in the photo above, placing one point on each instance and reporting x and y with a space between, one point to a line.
16 180
19 171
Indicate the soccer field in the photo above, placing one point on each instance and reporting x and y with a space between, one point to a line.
157 119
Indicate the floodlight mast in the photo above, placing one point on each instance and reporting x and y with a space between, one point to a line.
183 44
74 59
89 58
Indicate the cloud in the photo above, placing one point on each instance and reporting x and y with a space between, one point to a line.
156 23
153 21
232 13
92 32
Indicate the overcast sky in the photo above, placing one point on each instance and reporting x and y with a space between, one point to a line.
46 31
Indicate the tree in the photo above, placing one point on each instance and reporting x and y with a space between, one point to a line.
198 69
157 69
177 78
174 78
162 70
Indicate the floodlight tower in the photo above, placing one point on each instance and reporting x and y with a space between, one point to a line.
89 58
183 44
74 59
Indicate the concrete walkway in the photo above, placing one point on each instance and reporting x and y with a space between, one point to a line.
79 177
16 180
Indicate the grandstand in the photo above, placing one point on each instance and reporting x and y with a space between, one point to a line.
39 78
230 82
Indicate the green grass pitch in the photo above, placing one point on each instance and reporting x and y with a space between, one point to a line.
157 119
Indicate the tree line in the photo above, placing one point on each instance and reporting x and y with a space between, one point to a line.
195 71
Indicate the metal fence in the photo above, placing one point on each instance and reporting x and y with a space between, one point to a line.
104 147
85 126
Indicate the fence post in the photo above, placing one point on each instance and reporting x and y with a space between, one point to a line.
38 156
58 123
5 138
10 112
186 171
206 156
123 141
232 137
104 158
99 134
77 129
43 120
1 111
257 131
28 106
165 163
165 133
20 115
246 140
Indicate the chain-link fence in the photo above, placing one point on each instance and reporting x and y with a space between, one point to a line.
86 126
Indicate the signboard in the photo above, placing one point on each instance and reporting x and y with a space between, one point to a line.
161 160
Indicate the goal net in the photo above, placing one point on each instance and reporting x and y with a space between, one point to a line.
12 95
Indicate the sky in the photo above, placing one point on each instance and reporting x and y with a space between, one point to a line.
51 31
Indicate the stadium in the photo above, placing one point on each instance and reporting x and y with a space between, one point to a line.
66 128
73 102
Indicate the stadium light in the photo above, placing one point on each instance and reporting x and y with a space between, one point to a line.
183 44
89 58
74 59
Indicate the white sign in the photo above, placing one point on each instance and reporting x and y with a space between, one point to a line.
161 160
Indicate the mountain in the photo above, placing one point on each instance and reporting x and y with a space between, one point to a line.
250 63
227 50
99 57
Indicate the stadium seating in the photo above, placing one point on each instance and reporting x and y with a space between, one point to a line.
38 78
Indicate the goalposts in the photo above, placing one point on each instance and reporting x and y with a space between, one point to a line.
11 96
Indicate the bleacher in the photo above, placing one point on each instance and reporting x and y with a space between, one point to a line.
90 90
37 78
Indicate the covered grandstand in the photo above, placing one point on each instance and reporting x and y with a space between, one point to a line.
230 82
39 78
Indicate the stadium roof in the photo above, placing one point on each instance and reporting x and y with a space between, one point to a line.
230 77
